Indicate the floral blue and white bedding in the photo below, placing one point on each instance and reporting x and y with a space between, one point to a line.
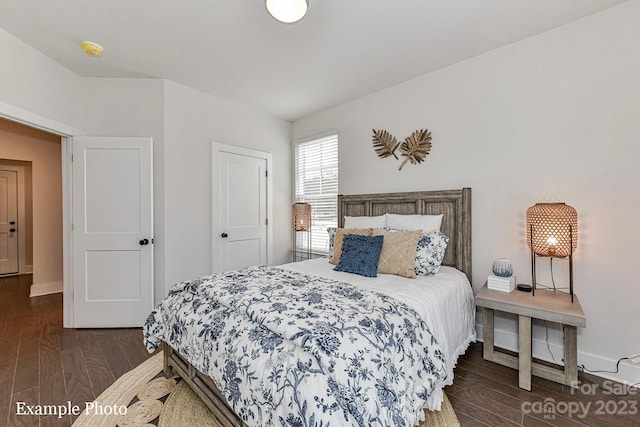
445 301
290 349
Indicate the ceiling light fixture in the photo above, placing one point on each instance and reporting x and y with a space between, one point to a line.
92 49
287 11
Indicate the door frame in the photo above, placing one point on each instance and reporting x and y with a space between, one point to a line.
216 149
22 239
66 132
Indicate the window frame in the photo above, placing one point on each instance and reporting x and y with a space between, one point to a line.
318 231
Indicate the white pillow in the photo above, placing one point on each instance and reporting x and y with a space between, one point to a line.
426 223
365 221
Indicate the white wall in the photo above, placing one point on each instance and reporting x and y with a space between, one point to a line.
193 120
551 118
182 122
132 107
31 81
98 106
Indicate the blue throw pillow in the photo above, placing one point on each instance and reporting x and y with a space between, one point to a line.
360 255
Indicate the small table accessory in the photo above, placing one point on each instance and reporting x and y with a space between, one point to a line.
502 284
502 267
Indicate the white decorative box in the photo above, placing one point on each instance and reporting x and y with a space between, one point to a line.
502 284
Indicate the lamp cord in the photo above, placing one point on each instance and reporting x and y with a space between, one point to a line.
553 282
546 328
582 368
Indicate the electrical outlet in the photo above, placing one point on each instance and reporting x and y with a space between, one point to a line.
635 359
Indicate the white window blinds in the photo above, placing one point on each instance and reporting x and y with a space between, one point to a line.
316 183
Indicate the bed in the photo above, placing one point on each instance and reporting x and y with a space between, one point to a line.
438 310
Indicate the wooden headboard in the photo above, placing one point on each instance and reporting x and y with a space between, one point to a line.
454 204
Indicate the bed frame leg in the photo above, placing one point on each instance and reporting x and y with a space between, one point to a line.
168 369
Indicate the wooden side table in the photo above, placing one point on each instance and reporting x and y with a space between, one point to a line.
545 305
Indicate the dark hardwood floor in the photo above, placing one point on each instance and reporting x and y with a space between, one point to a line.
484 393
43 363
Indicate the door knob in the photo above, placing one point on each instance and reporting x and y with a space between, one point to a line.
224 235
12 230
144 242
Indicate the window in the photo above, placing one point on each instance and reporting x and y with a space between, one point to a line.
316 183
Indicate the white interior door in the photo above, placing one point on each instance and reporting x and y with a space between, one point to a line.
242 208
8 222
112 231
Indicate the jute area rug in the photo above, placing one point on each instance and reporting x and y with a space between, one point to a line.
153 400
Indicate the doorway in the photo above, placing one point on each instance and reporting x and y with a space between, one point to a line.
34 156
62 132
241 208
16 218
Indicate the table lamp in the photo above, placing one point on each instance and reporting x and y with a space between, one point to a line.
301 221
552 231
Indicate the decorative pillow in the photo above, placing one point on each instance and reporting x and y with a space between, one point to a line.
365 221
398 255
332 236
426 223
360 255
430 253
337 240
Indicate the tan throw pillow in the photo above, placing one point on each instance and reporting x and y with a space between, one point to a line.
398 255
337 240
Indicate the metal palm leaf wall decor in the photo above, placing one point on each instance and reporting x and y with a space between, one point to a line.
384 143
414 148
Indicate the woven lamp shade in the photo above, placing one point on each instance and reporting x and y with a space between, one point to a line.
552 229
301 216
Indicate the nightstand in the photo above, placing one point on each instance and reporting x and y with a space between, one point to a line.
545 305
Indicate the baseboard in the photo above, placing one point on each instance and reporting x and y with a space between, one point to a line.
628 374
39 289
28 269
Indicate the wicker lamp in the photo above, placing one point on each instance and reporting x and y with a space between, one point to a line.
552 231
301 221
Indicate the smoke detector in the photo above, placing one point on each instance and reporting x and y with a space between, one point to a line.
92 49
